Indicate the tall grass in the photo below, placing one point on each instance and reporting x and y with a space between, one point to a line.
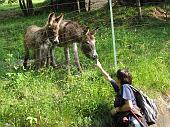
52 98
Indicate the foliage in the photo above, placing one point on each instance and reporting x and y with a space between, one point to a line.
8 1
53 98
2 1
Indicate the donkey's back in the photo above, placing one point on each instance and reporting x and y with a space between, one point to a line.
33 36
70 32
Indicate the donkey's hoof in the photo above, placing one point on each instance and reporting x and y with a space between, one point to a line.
55 65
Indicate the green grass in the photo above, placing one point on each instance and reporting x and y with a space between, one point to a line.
52 98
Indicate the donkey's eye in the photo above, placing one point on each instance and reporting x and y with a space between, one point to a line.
87 42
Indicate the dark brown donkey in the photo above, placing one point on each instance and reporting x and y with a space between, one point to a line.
40 39
71 33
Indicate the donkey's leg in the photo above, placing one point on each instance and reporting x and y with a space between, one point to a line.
52 58
76 57
26 57
44 53
67 57
38 59
48 58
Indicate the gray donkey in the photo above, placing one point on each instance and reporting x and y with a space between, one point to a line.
40 40
71 33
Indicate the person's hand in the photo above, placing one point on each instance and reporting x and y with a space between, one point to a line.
98 64
114 111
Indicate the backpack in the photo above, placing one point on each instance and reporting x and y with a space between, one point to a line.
147 106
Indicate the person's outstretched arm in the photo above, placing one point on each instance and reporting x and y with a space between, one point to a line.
106 75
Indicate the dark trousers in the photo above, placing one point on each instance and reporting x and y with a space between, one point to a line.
124 119
120 119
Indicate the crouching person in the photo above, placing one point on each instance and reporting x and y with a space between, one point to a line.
126 112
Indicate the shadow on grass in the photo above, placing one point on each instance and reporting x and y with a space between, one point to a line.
101 117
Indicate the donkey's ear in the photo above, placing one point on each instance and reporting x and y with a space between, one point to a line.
51 18
59 18
95 30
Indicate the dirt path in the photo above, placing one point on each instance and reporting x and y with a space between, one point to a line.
164 112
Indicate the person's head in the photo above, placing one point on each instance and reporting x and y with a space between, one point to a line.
124 76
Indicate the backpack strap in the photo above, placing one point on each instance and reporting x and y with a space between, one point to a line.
133 88
137 118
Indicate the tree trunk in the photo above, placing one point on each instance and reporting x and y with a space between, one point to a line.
30 7
23 7
53 5
89 5
82 5
26 7
78 6
139 9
